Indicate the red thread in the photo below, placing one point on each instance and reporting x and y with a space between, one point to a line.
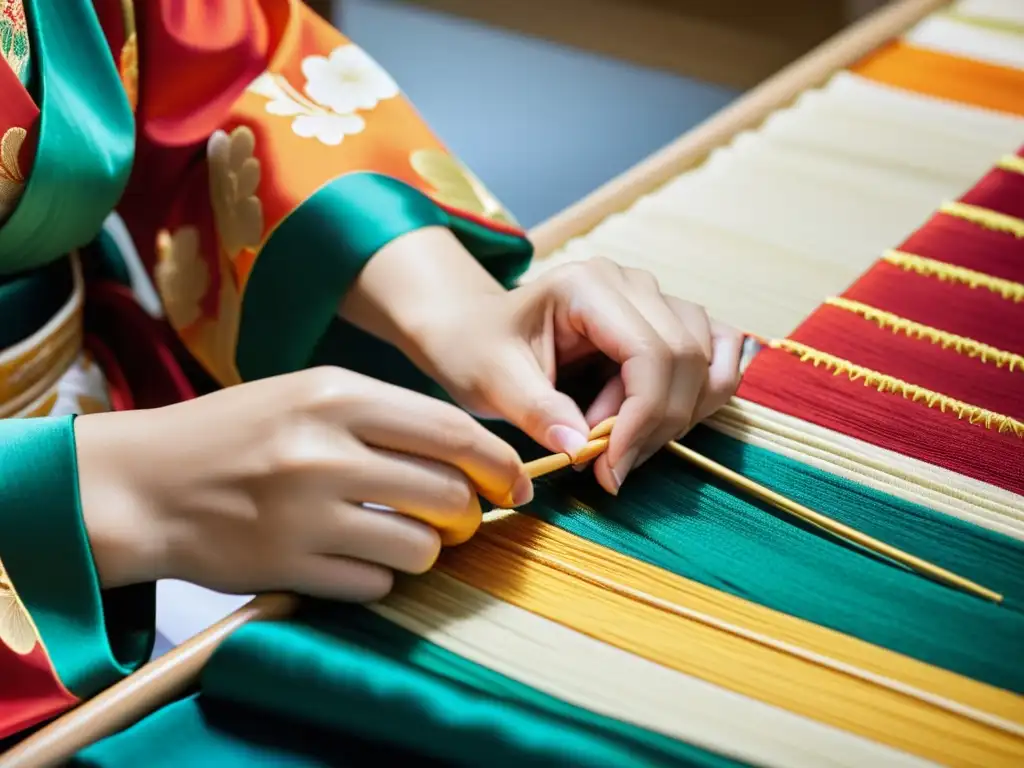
963 244
780 381
976 313
1000 191
917 361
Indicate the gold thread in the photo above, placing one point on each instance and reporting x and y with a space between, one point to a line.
961 344
890 384
983 217
1011 163
925 267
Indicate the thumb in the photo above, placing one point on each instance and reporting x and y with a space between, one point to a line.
519 391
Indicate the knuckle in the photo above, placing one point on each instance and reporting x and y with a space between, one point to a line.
321 385
456 494
459 434
643 279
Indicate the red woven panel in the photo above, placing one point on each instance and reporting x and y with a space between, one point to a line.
780 380
1001 191
927 300
964 244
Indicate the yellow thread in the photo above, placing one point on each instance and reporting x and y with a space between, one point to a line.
1008 289
945 339
1012 163
890 384
983 217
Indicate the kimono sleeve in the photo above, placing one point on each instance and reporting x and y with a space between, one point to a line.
308 160
61 638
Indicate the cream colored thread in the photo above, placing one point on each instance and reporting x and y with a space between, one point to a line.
1011 163
603 678
961 344
983 217
890 384
1008 289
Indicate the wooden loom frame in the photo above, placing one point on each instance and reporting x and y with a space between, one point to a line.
173 674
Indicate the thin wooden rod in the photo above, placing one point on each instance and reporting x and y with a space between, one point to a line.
145 691
791 507
747 112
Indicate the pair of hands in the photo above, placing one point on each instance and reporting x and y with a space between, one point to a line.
264 486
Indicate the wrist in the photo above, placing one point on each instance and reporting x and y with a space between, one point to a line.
412 285
121 519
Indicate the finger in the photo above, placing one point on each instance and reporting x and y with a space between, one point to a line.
415 424
610 321
389 539
724 372
686 329
691 380
341 578
608 401
518 388
431 492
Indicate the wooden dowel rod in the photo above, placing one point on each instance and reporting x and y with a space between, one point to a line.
832 526
151 687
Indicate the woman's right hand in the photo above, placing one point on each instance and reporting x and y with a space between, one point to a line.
261 486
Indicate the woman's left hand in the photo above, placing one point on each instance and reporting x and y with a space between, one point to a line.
500 354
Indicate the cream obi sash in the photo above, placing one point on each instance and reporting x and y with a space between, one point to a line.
49 373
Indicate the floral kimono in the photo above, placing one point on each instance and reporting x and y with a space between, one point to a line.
187 190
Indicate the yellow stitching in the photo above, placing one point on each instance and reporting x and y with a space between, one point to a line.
1012 163
983 217
930 268
890 384
947 340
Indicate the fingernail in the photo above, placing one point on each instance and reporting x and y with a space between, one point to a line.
582 465
522 492
567 440
621 470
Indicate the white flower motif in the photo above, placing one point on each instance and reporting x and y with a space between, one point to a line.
281 103
336 87
329 129
347 80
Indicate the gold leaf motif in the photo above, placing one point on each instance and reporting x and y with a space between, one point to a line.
182 277
456 186
16 629
234 181
129 69
11 179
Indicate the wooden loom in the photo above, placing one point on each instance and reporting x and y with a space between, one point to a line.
598 224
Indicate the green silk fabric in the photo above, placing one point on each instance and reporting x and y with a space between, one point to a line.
677 517
315 255
340 686
86 138
28 301
92 640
